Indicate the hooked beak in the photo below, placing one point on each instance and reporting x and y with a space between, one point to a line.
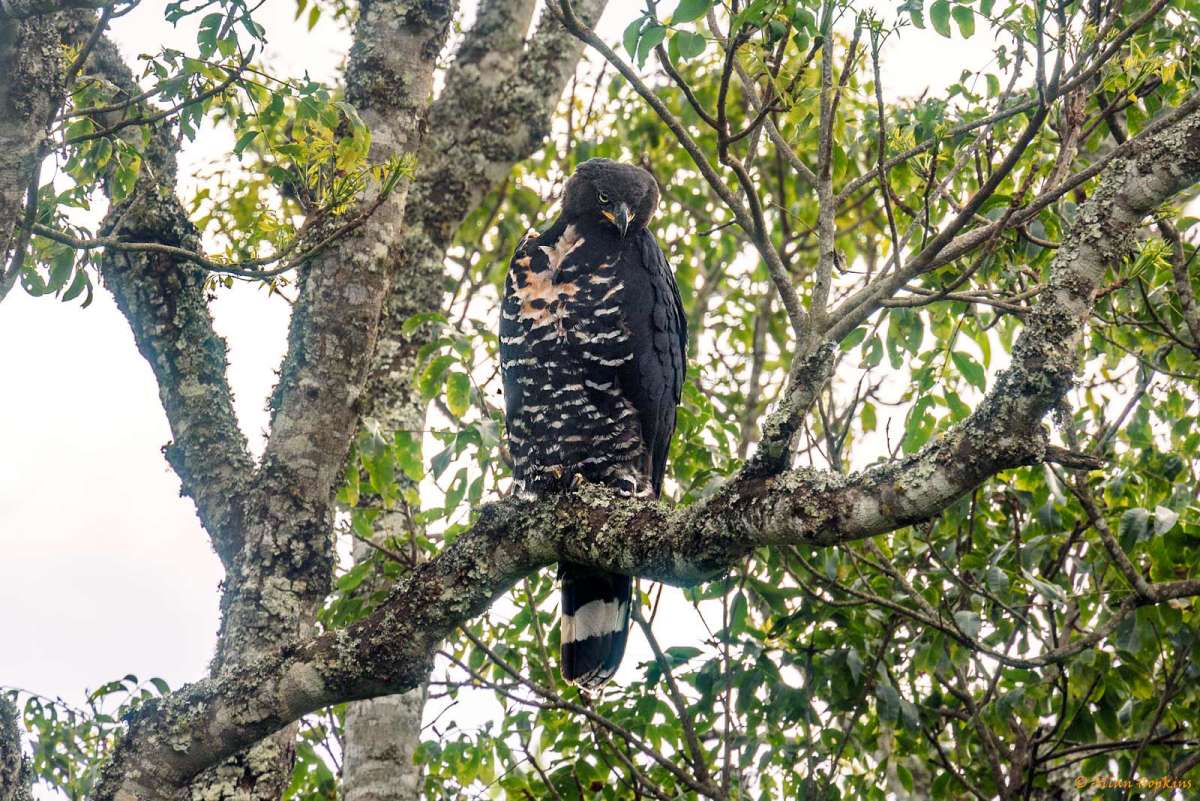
621 218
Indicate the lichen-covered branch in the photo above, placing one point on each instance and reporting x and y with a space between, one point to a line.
163 299
284 570
32 66
392 649
27 9
806 379
14 767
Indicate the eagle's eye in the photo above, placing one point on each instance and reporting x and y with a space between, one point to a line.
603 198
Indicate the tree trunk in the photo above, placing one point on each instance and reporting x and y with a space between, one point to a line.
382 736
14 768
381 740
283 573
32 66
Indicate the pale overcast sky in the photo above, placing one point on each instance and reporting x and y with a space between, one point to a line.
104 569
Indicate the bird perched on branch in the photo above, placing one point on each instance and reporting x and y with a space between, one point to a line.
592 346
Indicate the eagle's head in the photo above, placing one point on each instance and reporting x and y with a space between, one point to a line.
622 194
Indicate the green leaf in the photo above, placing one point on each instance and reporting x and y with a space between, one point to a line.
965 18
60 269
102 153
652 37
441 460
1134 527
77 286
867 417
243 142
433 375
457 489
1051 592
689 10
408 455
908 711
939 15
688 45
458 393
206 35
997 580
969 368
1129 634
633 32
855 663
737 615
853 338
874 354
889 702
804 20
968 622
437 319
679 654
1164 519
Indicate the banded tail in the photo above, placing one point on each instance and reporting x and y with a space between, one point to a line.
595 624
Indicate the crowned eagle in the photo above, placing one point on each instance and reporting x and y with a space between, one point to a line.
592 348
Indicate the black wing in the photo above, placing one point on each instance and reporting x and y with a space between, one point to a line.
512 345
653 379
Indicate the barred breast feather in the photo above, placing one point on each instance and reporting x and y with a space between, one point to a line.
592 339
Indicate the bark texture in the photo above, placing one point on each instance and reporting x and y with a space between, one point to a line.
14 768
391 650
382 734
284 569
32 66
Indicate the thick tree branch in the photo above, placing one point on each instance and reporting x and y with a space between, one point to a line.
163 299
391 650
806 380
24 9
32 66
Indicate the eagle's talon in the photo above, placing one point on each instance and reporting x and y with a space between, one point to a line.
577 481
